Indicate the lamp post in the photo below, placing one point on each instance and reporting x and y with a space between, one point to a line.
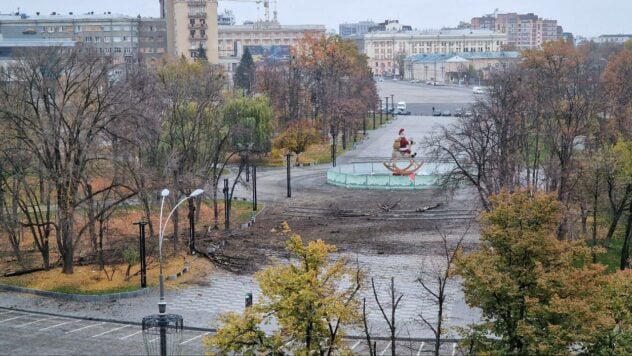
393 104
141 251
386 97
162 321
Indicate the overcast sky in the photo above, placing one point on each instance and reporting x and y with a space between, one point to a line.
582 17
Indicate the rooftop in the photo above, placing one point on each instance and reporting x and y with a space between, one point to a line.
63 17
450 32
456 57
270 26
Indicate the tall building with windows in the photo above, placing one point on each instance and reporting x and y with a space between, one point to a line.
191 26
386 50
524 31
117 36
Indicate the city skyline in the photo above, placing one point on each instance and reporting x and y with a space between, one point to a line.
576 16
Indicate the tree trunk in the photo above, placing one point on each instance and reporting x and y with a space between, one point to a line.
625 250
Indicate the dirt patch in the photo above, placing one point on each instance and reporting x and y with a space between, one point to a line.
356 221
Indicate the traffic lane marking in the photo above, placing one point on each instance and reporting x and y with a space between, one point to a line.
130 335
84 327
112 330
193 338
36 321
9 319
60 324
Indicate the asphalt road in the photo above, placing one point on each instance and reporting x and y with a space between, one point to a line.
421 98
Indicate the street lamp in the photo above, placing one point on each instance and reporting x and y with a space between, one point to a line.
163 323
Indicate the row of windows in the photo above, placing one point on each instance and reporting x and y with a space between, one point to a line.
86 28
108 39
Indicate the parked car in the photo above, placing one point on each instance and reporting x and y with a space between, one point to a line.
446 113
436 113
380 79
478 90
402 112
429 82
438 84
458 112
467 113
414 81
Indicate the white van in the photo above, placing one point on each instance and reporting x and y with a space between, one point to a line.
401 106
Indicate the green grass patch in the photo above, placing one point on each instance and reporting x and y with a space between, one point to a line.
612 257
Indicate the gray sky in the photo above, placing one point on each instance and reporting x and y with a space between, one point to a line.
582 17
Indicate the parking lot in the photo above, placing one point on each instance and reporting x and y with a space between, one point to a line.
33 333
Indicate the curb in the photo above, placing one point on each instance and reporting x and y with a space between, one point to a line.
77 297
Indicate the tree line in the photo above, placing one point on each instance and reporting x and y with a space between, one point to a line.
79 139
559 122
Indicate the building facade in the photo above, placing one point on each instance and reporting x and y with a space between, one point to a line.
386 50
191 28
118 36
355 29
524 31
618 39
458 68
263 39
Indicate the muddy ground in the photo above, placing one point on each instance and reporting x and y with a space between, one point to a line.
368 222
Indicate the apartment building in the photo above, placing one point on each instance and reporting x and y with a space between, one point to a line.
114 35
387 49
191 26
524 31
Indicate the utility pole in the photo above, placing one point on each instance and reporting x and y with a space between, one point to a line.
386 108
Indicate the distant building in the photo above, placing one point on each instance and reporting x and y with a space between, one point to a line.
524 31
121 37
262 38
387 49
389 26
618 39
191 25
354 29
226 19
10 47
457 67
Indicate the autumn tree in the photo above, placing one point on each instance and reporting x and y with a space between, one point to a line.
62 102
311 300
535 295
297 137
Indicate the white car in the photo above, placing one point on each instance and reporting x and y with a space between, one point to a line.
478 90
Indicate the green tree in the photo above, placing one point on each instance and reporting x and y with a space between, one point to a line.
310 300
245 72
297 137
535 295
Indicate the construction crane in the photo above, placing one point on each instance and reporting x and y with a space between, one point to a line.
266 6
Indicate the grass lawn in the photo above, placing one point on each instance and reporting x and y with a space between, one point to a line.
612 257
91 281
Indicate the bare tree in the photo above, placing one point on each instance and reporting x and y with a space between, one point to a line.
64 99
434 281
391 321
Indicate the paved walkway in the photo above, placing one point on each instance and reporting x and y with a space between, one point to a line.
200 305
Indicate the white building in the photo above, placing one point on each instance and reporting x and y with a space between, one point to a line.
262 38
387 49
618 39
